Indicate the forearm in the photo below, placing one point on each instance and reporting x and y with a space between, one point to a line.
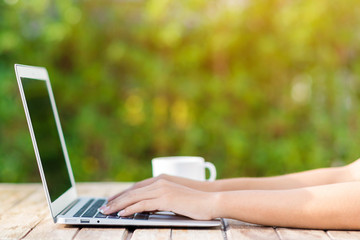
309 178
334 206
295 180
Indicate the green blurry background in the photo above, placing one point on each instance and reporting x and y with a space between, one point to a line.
258 87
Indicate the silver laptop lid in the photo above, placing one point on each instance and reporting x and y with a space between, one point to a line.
47 136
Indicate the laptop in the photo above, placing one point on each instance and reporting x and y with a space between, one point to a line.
54 163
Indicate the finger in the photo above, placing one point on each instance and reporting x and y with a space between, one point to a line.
122 192
140 184
142 206
130 198
115 196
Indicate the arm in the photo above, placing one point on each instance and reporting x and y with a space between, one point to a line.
295 180
289 181
315 177
334 206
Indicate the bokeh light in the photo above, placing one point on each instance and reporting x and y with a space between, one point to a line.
258 88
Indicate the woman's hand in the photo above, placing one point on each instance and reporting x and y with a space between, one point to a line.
140 184
199 185
163 195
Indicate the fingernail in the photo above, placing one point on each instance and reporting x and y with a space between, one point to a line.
103 209
122 212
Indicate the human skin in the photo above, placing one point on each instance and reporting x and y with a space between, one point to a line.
325 198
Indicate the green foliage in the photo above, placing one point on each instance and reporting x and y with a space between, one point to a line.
257 87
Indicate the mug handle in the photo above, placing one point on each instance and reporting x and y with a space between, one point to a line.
212 170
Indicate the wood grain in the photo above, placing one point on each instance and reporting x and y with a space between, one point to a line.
46 229
100 189
12 194
23 217
28 215
244 231
152 234
348 235
299 234
101 234
198 234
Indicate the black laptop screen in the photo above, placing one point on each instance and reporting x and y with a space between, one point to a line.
47 136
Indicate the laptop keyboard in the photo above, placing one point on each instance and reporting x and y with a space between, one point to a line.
93 209
83 209
90 210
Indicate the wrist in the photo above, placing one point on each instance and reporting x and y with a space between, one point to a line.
206 186
217 204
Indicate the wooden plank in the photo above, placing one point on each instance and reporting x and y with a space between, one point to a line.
47 229
299 234
252 233
242 230
101 189
198 234
101 234
152 234
19 220
238 224
344 235
25 214
12 194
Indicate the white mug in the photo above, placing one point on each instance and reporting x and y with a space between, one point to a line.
188 167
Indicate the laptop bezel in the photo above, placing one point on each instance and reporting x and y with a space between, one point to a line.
41 74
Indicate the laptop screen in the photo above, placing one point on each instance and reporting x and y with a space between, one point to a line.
47 137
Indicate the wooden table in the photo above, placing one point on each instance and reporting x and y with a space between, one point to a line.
25 215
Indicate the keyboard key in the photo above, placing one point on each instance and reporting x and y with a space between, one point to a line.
94 208
128 217
141 216
113 215
100 215
83 209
